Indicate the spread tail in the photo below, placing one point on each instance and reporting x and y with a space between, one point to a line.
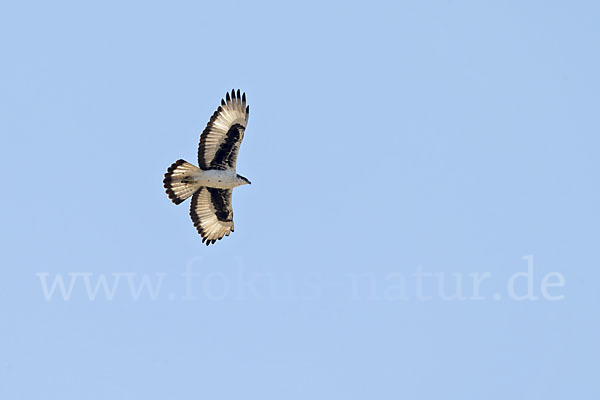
179 182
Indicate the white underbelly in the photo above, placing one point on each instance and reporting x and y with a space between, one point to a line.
217 179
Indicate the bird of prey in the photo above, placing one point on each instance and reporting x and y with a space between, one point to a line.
211 185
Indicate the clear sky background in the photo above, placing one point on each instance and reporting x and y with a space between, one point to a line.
448 137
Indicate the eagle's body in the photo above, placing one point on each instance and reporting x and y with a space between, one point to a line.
211 184
216 178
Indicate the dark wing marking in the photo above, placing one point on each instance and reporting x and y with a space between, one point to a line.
221 201
212 213
220 140
226 155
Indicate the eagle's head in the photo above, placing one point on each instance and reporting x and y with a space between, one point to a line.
242 180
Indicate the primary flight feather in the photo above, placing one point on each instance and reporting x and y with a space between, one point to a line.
211 184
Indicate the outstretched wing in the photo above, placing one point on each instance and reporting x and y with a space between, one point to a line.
220 141
212 214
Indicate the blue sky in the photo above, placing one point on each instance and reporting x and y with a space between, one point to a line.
392 147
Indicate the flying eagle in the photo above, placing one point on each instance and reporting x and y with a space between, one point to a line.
212 184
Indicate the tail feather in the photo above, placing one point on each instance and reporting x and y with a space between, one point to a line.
177 181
